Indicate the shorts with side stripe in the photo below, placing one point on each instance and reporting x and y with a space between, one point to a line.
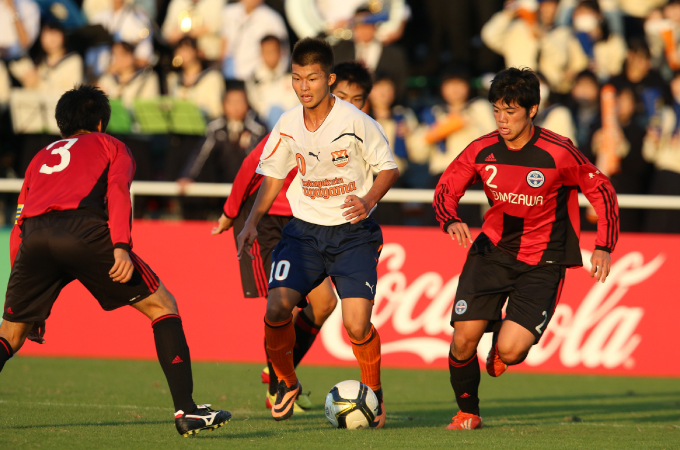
255 272
60 247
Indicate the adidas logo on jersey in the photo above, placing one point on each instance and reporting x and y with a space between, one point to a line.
490 158
9 311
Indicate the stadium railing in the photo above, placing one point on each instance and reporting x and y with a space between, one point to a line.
172 189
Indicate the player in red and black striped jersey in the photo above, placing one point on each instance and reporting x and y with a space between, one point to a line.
74 223
530 234
352 84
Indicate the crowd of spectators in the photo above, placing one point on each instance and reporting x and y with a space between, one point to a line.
195 84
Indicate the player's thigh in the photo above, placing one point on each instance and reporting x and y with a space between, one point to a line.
483 288
36 278
281 303
356 316
514 342
296 262
94 260
353 259
533 300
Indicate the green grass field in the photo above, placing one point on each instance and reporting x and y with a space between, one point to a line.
84 404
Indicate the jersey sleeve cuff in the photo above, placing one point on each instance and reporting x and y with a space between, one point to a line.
449 222
602 247
123 245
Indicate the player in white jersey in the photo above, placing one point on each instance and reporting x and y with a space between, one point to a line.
337 150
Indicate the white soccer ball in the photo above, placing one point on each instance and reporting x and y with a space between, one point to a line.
351 404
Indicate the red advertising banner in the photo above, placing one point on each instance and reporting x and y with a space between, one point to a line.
624 326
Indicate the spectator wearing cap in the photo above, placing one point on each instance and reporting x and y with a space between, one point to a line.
193 82
128 23
388 60
270 91
124 81
198 19
244 25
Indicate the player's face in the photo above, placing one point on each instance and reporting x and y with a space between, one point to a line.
512 120
311 84
350 92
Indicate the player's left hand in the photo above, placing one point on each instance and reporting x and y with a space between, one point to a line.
600 264
122 269
359 208
223 224
37 332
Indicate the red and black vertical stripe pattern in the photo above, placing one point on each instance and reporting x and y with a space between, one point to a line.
150 278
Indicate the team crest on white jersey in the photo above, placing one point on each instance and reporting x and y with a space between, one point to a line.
340 158
535 178
461 307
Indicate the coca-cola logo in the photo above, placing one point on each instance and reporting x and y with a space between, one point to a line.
600 332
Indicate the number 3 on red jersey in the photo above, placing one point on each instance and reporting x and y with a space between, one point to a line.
61 151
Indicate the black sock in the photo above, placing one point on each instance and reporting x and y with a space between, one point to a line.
305 334
6 352
273 380
173 354
465 377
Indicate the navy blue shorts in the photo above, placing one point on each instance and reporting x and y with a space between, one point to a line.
308 253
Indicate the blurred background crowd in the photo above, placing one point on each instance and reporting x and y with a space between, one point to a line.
196 84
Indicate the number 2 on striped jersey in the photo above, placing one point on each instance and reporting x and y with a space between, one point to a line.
61 151
495 171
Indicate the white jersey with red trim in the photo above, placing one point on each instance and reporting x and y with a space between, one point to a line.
336 160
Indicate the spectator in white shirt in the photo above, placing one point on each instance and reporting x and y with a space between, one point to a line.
204 87
128 23
270 91
244 24
198 19
19 27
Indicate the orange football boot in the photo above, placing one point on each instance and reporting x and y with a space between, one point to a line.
494 365
465 421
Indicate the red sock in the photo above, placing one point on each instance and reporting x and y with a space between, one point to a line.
280 340
367 353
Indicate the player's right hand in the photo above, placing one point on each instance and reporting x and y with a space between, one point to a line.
223 224
37 332
122 269
460 231
245 241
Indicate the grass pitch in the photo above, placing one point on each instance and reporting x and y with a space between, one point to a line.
113 404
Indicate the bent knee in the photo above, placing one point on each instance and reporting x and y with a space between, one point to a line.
512 356
357 332
326 309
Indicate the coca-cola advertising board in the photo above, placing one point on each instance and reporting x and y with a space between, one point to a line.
625 326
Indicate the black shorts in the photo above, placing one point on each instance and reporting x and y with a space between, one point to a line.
255 272
62 246
490 277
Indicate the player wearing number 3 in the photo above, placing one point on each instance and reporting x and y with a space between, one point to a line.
74 223
529 237
336 149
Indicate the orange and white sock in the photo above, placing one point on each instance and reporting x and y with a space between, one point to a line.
367 353
280 340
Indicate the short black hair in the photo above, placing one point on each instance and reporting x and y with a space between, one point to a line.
639 45
127 46
310 51
82 108
519 86
187 40
353 72
270 37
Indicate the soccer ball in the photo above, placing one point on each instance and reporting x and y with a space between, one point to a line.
351 404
